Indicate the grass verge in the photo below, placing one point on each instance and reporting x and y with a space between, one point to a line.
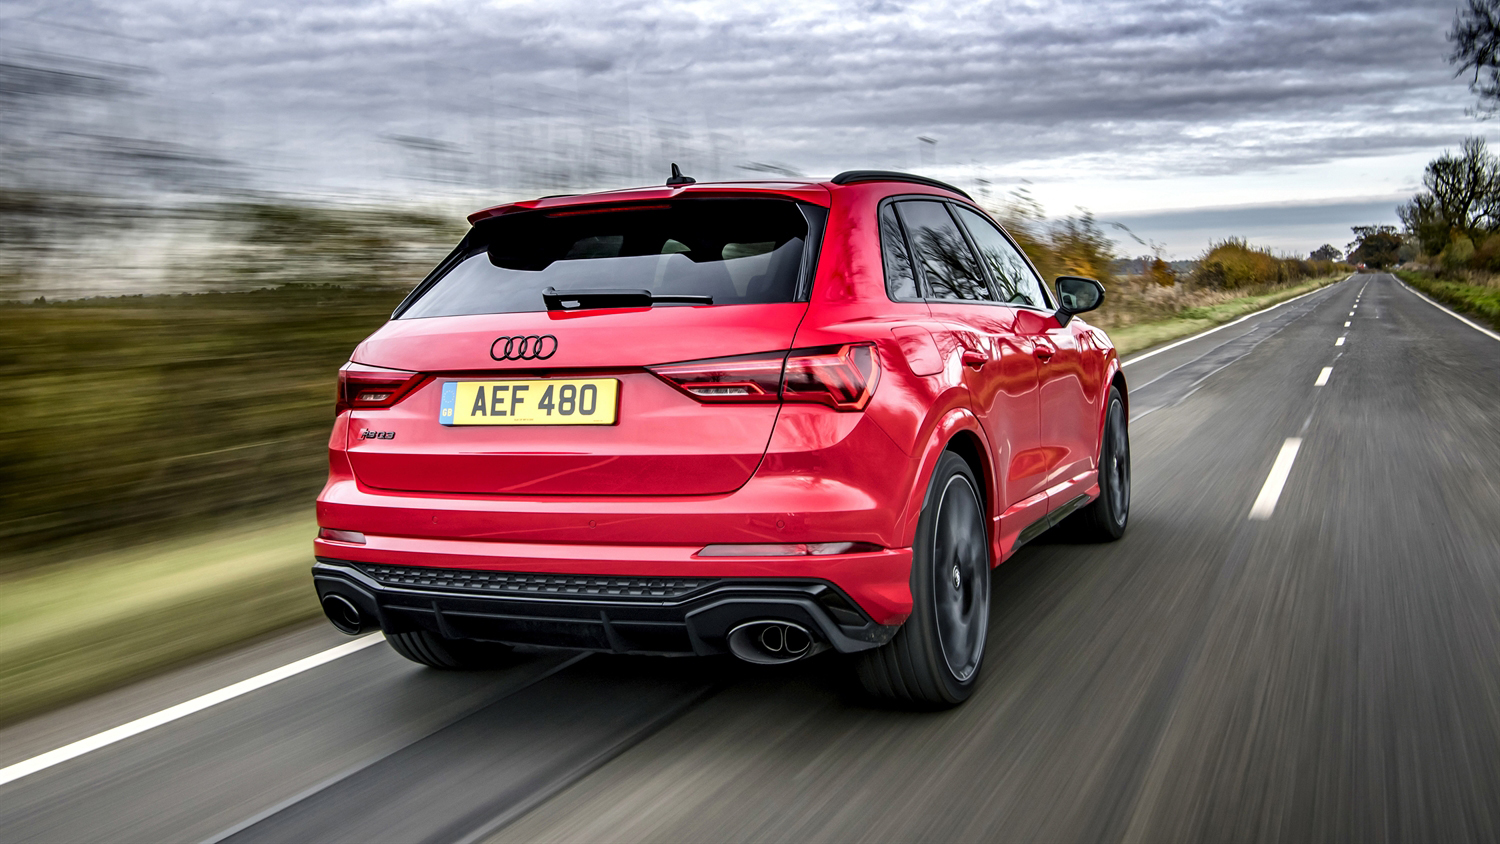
70 631
1481 303
1141 336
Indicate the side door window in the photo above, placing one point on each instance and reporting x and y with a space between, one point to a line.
1015 282
942 253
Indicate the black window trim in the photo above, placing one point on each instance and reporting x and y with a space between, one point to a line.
812 248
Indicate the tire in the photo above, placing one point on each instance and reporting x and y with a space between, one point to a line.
934 659
1104 519
434 651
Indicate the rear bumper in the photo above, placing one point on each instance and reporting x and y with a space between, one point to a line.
878 582
641 615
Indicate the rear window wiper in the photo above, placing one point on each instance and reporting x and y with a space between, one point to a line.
616 297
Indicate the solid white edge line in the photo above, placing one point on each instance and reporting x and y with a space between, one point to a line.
1265 503
1154 352
1323 376
1445 309
11 773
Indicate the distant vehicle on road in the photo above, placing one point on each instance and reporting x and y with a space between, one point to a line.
763 418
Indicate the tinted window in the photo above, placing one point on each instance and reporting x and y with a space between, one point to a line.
942 253
900 275
1015 283
743 251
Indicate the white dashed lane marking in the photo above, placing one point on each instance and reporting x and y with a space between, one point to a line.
1339 342
1323 376
1265 503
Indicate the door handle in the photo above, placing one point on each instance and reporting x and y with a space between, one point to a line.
1043 353
974 358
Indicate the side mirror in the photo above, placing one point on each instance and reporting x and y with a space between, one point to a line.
1076 295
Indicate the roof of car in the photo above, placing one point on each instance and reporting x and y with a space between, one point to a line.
808 190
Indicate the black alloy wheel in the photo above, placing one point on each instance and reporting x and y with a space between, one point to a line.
935 657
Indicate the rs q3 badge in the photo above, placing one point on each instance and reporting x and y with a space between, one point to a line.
378 435
529 347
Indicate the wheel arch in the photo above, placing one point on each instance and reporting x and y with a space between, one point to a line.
1116 380
959 432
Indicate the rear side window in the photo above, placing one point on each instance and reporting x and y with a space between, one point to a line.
900 275
737 251
941 251
1015 283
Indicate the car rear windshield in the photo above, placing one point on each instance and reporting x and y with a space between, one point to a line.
735 251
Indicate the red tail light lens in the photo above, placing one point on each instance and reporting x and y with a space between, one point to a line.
742 379
363 386
842 377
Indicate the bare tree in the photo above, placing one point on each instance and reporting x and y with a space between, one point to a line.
1462 194
1475 37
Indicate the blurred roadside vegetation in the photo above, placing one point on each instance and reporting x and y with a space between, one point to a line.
129 417
134 416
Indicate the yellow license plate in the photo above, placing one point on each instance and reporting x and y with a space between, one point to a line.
538 401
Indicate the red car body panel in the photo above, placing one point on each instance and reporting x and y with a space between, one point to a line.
645 496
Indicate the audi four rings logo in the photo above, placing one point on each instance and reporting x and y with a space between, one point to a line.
530 347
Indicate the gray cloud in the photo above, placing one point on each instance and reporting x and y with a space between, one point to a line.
305 93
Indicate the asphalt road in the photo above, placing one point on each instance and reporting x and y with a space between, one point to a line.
1326 670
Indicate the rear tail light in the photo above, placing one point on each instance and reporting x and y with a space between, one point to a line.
363 386
742 379
842 377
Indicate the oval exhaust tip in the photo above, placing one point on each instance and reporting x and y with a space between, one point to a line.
343 614
771 642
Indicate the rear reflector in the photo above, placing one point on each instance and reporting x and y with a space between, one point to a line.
842 377
363 386
798 549
351 536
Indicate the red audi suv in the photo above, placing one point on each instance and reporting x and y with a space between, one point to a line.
762 418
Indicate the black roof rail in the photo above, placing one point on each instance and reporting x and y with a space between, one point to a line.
849 177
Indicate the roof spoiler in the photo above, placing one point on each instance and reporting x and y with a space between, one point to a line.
849 177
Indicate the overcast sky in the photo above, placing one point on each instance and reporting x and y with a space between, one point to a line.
1270 108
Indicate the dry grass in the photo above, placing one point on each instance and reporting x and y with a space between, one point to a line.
1188 312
